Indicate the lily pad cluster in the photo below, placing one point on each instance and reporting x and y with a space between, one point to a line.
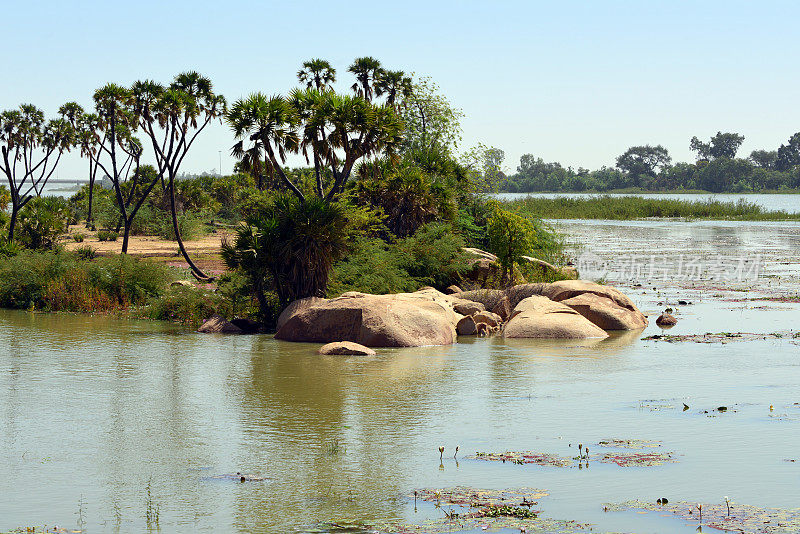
525 457
464 508
637 459
728 517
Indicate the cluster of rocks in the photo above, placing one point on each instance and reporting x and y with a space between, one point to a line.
569 309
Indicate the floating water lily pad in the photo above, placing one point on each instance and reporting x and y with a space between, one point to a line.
525 457
466 509
739 518
637 459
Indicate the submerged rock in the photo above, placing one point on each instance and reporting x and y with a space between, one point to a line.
346 348
216 324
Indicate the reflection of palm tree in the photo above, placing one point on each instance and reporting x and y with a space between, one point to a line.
317 74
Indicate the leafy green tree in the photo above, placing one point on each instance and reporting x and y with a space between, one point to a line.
431 121
766 159
367 71
510 237
484 164
722 145
317 74
643 160
171 118
789 154
31 150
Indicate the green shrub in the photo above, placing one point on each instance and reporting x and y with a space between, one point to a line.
102 235
187 305
62 281
78 237
85 253
41 221
190 225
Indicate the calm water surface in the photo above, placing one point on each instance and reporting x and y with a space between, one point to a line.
94 411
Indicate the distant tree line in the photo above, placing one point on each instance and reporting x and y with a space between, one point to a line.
717 169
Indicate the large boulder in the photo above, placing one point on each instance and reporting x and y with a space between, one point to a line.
402 320
503 308
467 307
666 320
467 327
540 317
216 324
606 313
346 348
488 297
491 319
295 307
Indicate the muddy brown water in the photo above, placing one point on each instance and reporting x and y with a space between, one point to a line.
94 410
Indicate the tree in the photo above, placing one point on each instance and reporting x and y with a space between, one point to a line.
172 118
335 130
430 119
85 126
395 85
484 165
31 150
367 71
643 160
510 237
722 145
290 248
118 153
789 154
317 74
766 159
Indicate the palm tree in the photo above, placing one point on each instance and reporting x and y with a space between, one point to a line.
172 118
394 84
367 70
270 123
317 74
290 248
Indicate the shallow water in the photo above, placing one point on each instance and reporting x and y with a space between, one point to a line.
768 201
95 410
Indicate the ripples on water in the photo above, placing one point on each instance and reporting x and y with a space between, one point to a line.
93 409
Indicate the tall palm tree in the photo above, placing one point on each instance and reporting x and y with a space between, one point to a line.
172 118
270 123
317 74
394 84
366 69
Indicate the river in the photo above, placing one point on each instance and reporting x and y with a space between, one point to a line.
119 426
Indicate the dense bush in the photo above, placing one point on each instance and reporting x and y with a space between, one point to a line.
41 221
431 257
62 281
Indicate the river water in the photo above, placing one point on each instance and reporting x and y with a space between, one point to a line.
119 426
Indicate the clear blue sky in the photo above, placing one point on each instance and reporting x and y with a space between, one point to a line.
575 82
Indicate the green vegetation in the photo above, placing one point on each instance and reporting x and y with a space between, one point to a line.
650 168
62 281
634 207
385 203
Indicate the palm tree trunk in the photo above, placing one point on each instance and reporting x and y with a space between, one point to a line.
196 272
